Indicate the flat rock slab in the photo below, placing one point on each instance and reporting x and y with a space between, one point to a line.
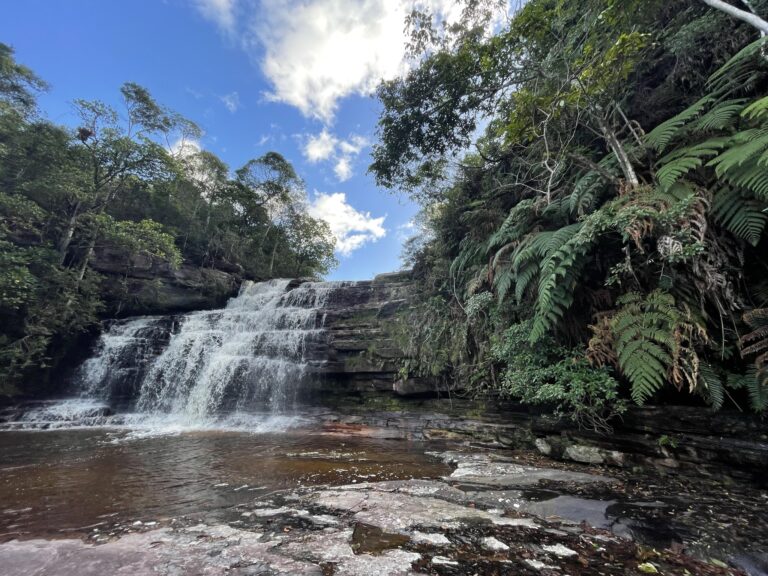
155 553
490 470
201 551
402 512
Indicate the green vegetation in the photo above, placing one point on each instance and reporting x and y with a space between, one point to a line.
605 239
117 188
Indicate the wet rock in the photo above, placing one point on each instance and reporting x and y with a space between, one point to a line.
367 539
494 545
435 539
543 446
443 561
484 470
584 454
537 565
400 513
560 550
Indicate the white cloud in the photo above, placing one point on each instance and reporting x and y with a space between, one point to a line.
325 146
351 227
343 169
354 145
320 147
221 12
231 101
317 52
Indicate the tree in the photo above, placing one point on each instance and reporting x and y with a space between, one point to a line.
118 151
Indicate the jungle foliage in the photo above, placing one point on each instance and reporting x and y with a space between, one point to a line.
612 209
124 184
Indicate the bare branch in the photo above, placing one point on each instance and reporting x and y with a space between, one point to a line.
745 16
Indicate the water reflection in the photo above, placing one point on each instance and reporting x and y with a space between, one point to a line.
61 481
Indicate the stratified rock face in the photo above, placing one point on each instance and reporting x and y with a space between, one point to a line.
144 285
360 353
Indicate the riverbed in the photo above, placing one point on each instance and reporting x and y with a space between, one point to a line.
92 500
65 482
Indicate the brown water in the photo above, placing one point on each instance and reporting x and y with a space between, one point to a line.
70 481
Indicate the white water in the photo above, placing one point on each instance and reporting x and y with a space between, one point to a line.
239 367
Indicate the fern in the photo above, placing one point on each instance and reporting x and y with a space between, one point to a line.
758 110
746 146
646 333
660 137
590 185
756 385
502 282
756 344
711 386
514 226
752 178
723 115
560 270
742 216
680 162
740 71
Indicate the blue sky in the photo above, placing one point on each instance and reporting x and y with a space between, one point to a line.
292 76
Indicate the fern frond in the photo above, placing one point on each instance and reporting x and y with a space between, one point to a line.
564 259
758 110
523 279
711 385
748 145
752 178
722 116
755 382
680 162
739 71
502 282
514 225
590 184
646 333
660 137
742 216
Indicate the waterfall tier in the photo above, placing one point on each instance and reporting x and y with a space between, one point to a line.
249 356
278 349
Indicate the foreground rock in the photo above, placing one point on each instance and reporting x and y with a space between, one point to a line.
471 522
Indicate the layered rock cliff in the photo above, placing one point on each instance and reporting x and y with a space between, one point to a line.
140 284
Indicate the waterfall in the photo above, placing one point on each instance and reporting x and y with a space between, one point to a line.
251 356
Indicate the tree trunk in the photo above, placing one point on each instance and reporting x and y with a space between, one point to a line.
66 237
745 16
272 261
621 155
86 259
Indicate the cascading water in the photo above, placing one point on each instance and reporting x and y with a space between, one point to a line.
251 354
211 367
